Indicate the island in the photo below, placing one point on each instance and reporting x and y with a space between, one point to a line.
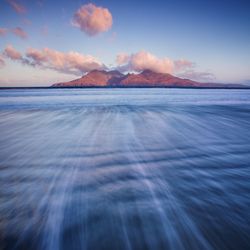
147 78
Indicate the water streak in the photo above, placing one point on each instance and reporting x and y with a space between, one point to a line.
124 169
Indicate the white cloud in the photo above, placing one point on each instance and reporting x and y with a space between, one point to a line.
70 62
12 53
92 19
144 60
75 63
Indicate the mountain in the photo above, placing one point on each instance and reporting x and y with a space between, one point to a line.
150 78
147 78
99 78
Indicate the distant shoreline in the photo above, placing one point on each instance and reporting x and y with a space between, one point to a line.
125 87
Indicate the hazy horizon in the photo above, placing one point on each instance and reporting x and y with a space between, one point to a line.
47 85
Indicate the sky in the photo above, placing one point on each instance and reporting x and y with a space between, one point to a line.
43 42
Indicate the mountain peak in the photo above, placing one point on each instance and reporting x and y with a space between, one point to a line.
111 72
97 71
147 78
148 71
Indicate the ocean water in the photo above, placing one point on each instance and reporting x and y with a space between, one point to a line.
124 169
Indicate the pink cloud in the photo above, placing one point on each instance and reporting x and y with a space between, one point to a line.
3 31
20 9
92 19
71 62
77 64
122 58
12 53
144 60
37 56
18 31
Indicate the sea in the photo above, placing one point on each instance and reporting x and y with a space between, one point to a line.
124 169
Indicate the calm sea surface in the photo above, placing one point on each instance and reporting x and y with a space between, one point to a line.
124 169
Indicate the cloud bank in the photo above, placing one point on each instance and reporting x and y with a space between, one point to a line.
92 19
144 60
78 64
20 9
70 62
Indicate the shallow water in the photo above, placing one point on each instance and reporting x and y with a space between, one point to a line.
124 169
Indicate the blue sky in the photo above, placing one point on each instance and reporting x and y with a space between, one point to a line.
214 36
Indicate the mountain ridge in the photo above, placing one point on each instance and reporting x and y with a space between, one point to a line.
146 78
